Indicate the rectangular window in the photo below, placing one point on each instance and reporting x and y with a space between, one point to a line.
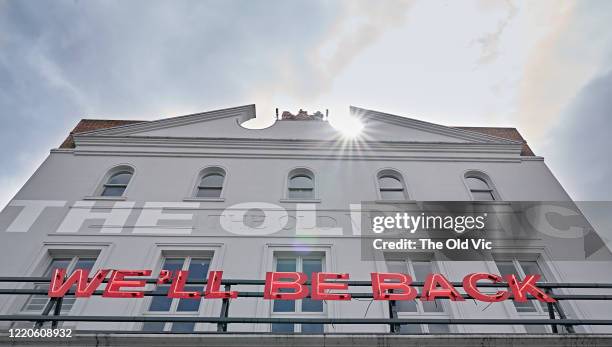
530 308
163 305
418 270
36 303
287 262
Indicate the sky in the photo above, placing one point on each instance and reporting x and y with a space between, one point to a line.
544 67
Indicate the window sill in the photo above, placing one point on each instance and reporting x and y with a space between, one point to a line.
194 199
312 201
106 198
395 201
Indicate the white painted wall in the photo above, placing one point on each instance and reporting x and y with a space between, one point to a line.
167 161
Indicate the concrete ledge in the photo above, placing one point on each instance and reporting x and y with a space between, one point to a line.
153 340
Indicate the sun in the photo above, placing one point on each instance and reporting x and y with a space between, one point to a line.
349 127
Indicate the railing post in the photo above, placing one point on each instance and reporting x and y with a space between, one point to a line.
562 315
45 312
393 327
57 311
551 312
222 327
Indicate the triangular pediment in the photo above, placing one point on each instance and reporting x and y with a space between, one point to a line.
226 123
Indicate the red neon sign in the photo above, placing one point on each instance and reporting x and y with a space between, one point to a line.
324 286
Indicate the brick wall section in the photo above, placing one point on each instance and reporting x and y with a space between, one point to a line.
97 124
94 124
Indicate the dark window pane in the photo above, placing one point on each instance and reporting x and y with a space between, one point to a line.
113 191
120 178
406 306
309 305
209 192
312 328
198 268
301 182
286 264
282 328
58 263
388 182
173 264
161 303
284 305
85 263
212 181
506 268
476 183
532 268
312 265
153 326
190 305
410 329
182 327
421 270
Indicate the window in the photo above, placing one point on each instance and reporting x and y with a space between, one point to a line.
210 183
480 186
301 185
163 305
288 262
36 303
117 182
530 308
391 185
210 186
418 270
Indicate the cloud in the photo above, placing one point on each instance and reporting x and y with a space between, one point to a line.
565 60
151 59
580 153
489 43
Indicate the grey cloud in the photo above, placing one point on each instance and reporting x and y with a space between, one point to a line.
64 60
579 150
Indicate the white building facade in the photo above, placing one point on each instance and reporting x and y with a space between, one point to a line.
201 192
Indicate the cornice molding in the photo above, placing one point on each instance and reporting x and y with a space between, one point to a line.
366 115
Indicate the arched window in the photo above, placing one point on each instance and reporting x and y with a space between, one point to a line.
211 183
391 185
301 184
117 182
480 186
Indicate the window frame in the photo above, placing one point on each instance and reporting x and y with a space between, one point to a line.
103 183
301 171
420 312
396 174
162 250
195 187
73 260
541 257
481 175
51 250
174 301
298 303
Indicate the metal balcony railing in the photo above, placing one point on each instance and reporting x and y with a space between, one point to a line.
557 316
